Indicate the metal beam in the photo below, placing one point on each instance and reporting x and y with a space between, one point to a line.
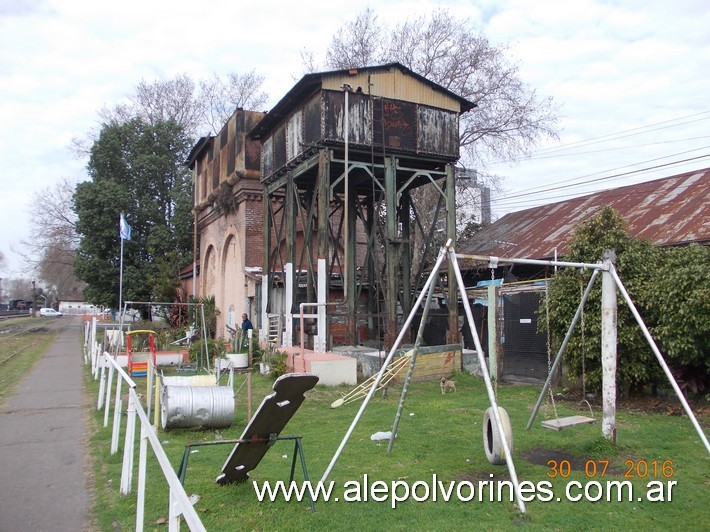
391 250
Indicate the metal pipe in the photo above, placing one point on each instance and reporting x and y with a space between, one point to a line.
250 334
487 380
493 259
204 336
563 347
408 378
346 136
659 356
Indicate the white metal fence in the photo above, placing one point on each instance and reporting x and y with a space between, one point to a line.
104 366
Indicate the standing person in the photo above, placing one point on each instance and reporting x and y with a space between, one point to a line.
246 325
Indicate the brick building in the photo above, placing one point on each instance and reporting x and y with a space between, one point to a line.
228 216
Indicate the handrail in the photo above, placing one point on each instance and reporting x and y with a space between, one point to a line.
141 331
179 504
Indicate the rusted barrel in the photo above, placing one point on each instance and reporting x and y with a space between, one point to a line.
197 406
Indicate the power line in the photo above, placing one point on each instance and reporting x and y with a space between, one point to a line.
610 196
574 181
624 133
614 176
626 148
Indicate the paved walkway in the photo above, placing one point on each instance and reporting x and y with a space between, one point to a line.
43 485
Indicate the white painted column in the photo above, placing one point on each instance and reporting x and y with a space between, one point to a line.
288 306
320 340
608 349
264 331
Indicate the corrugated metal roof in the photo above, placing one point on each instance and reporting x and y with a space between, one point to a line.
669 211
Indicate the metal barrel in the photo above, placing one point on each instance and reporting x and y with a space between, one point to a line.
197 406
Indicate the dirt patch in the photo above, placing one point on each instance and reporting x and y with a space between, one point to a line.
665 403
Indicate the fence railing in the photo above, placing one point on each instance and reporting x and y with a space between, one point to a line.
103 367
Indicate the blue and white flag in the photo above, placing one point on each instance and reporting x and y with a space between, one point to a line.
124 228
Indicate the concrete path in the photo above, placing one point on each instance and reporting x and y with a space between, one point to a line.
43 484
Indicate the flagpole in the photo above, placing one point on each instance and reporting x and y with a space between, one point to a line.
120 282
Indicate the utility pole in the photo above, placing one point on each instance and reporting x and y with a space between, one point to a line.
34 299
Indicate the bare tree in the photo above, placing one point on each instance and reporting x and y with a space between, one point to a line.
19 288
53 242
358 43
510 117
199 107
221 98
174 99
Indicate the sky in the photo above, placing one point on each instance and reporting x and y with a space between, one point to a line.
629 80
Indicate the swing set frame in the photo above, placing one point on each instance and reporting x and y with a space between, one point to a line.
610 284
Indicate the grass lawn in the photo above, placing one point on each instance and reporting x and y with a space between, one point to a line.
438 435
21 345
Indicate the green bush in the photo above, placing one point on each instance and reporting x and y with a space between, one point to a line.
670 288
277 361
215 348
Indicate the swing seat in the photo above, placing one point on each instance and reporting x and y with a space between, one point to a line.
565 422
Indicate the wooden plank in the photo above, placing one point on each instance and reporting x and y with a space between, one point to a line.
564 422
434 365
269 420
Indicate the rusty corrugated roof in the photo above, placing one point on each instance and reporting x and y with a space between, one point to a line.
669 211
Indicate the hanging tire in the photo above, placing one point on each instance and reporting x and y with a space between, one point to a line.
492 442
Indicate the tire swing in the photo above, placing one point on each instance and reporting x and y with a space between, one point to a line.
492 442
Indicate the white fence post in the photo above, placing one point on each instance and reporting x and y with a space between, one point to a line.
107 400
127 469
86 342
102 385
180 505
142 462
173 514
116 418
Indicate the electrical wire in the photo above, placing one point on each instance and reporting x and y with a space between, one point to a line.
504 200
625 133
575 181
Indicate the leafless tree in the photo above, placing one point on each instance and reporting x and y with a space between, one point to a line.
173 99
18 288
510 118
199 107
221 98
49 252
358 43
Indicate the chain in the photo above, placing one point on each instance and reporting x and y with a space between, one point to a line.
584 350
549 345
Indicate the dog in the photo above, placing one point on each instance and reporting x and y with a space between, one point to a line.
446 385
